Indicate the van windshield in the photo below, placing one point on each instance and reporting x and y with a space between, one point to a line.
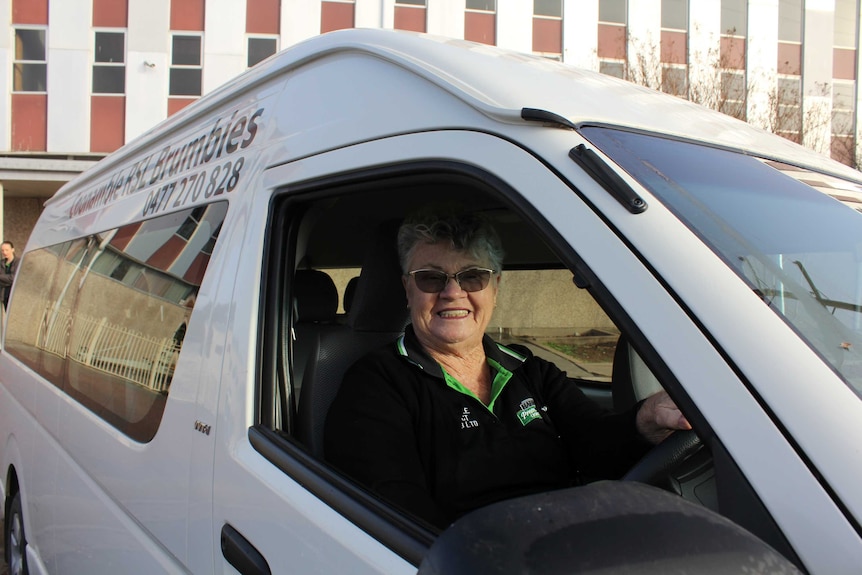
795 236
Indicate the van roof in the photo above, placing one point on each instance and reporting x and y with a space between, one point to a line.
501 84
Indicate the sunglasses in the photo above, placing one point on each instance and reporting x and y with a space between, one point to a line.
435 281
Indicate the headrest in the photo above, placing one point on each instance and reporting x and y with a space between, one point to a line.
379 304
315 295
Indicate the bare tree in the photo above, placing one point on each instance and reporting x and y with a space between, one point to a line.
720 82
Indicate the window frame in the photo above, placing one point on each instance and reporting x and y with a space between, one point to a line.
185 67
102 65
22 63
252 37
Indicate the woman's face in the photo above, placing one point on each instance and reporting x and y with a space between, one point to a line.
452 320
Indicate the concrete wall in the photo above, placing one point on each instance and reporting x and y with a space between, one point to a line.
20 215
539 302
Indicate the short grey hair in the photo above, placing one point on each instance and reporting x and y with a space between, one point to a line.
463 231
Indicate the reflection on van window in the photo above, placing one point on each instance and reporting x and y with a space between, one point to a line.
104 317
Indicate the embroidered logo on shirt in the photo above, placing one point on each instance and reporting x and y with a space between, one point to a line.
528 411
467 420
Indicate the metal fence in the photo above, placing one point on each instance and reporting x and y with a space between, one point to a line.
109 348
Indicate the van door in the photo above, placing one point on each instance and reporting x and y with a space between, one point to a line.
275 496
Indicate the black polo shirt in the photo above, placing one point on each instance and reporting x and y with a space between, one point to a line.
407 430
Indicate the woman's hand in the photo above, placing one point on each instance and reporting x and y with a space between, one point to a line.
658 417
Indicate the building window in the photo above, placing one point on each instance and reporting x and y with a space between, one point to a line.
613 12
186 66
845 23
732 97
482 5
674 80
790 21
734 17
548 8
260 48
30 69
844 121
411 2
109 63
615 69
788 108
674 14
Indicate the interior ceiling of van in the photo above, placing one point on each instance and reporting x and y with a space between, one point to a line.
341 223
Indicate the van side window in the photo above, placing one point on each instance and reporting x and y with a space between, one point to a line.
104 317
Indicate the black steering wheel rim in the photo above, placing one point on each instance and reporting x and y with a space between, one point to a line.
655 468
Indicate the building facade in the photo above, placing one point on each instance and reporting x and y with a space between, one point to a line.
79 78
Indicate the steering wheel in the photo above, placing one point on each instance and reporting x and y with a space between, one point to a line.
656 467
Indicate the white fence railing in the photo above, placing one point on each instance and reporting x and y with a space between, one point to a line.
112 349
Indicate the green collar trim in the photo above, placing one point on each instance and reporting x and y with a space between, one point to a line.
501 378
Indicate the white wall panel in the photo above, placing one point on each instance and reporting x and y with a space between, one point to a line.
817 74
300 20
69 75
224 42
515 25
7 54
644 42
704 45
446 17
375 14
762 61
147 65
581 33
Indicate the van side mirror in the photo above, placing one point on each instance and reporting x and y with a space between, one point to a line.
604 527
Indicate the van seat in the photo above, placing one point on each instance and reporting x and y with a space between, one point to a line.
316 304
378 314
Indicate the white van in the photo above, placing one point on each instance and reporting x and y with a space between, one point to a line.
184 311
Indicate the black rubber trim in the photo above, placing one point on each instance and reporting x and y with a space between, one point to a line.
544 116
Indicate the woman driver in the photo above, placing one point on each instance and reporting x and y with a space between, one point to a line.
445 420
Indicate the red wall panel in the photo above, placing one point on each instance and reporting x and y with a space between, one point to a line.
844 63
480 27
111 13
789 58
410 18
107 123
732 53
674 47
177 104
612 41
29 122
547 35
336 16
168 252
262 16
29 11
187 15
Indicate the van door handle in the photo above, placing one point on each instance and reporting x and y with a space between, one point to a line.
242 554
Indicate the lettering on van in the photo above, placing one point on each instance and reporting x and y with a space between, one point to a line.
207 165
202 427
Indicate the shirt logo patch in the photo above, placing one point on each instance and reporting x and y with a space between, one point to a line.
528 411
467 420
